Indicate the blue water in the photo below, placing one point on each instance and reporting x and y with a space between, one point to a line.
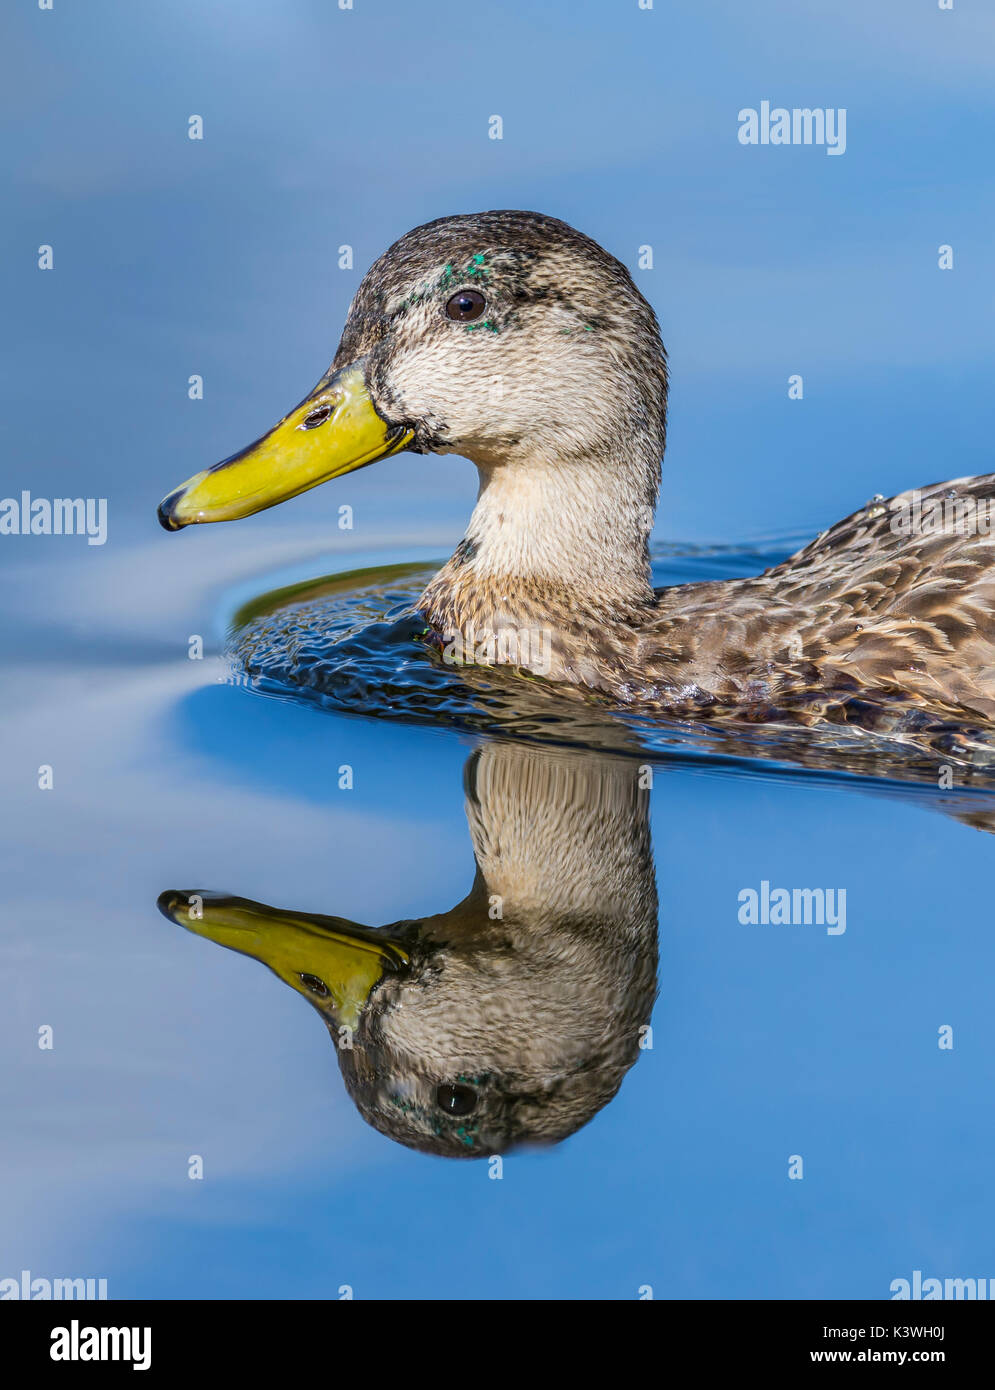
767 1041
221 259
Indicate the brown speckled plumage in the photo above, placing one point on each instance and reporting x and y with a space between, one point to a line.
865 619
867 609
518 342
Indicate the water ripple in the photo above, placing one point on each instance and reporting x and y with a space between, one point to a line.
354 643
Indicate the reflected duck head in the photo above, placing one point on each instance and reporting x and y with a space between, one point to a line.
451 1039
512 1018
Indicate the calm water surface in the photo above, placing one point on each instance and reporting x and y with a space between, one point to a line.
652 1064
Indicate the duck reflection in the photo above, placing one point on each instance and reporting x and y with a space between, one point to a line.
512 1018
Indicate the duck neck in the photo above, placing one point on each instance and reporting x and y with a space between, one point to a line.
553 533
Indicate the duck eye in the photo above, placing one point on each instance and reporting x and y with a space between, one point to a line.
466 305
315 985
317 417
455 1100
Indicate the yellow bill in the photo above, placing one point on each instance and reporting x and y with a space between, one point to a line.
333 431
334 963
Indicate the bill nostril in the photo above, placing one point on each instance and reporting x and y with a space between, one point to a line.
315 985
318 416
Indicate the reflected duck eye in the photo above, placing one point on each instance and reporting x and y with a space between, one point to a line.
466 305
316 986
455 1100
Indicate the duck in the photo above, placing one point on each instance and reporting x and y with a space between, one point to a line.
512 1019
521 344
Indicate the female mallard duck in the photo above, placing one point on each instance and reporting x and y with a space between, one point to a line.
521 344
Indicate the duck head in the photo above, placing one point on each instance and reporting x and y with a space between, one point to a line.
506 337
512 1018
